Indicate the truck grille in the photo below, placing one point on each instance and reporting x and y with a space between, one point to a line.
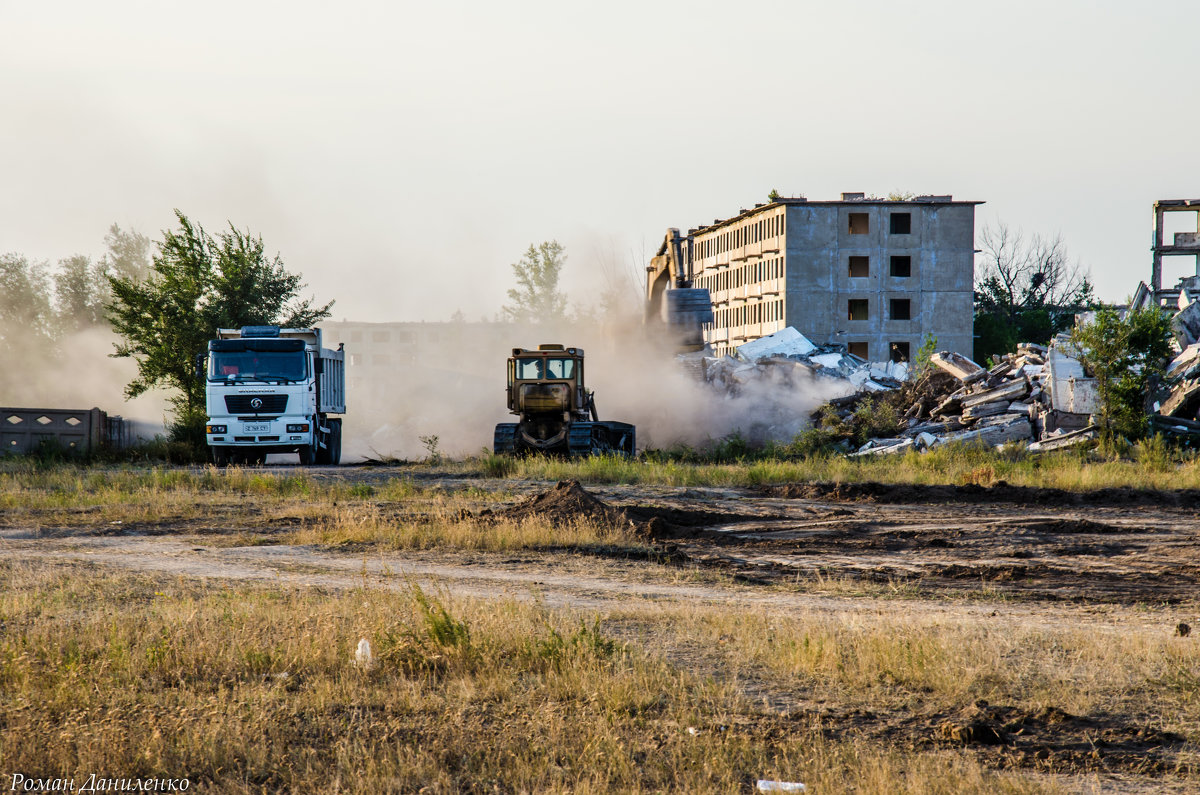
271 404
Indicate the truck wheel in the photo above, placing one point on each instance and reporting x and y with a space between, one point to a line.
322 454
335 442
308 455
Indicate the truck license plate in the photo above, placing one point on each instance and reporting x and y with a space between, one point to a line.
256 427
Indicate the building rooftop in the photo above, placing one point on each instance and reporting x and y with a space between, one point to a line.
857 199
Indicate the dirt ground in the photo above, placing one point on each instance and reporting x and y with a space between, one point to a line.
1004 555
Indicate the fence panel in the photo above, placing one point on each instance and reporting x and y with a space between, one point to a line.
22 431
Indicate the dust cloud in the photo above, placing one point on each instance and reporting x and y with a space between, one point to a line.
452 386
77 372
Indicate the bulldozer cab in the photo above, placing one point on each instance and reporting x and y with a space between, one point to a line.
549 378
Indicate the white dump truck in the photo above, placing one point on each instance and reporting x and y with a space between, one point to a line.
272 390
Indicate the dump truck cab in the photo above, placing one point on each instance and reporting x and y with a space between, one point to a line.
557 412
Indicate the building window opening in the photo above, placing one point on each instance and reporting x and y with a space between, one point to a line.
900 223
858 309
899 351
860 224
901 267
860 267
858 349
901 309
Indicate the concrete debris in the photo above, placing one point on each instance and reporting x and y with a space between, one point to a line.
1058 440
1039 394
957 400
958 366
788 355
1186 364
787 342
1186 324
1181 431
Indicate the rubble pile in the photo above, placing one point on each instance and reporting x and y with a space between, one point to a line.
1179 404
787 358
1037 395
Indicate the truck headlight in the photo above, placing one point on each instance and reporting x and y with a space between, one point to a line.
215 428
301 428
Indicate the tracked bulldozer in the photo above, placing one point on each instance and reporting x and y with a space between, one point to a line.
557 413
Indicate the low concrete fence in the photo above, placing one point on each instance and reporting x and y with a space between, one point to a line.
24 431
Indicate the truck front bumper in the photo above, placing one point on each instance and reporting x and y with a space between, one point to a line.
287 432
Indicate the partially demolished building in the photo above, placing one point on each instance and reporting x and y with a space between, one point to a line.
874 275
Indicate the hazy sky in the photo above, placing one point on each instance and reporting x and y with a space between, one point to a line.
402 155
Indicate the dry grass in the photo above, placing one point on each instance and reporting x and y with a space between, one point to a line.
253 690
950 465
871 660
363 525
256 506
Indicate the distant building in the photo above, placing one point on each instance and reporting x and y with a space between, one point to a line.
378 355
875 275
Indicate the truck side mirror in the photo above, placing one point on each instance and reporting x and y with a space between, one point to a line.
200 357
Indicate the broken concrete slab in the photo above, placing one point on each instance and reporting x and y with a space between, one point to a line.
883 447
1183 402
925 440
949 426
991 409
1006 392
995 431
1064 440
785 342
830 360
1184 361
1071 390
1186 325
958 366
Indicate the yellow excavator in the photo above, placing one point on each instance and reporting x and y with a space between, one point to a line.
671 300
557 413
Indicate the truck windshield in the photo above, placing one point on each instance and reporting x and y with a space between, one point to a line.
257 366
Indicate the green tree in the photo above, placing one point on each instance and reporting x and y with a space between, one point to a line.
81 293
27 322
1027 290
536 298
195 286
127 254
81 287
1124 354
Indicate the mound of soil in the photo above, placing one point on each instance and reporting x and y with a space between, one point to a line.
1057 741
568 502
1000 492
565 504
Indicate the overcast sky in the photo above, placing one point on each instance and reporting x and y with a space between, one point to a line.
402 155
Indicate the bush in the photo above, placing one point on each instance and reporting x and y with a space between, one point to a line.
1124 354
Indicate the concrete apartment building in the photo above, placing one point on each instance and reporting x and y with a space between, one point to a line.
876 275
